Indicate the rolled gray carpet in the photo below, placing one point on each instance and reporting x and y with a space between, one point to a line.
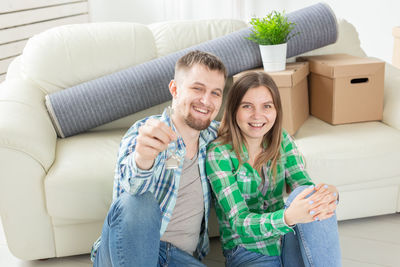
114 96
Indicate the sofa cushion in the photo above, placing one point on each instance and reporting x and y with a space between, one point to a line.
350 153
71 54
172 36
79 184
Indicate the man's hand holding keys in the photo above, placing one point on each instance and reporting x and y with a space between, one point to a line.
153 138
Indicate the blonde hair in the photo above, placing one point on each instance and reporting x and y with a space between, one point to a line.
229 131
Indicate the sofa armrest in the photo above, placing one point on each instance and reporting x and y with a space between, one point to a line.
26 223
27 150
391 106
24 123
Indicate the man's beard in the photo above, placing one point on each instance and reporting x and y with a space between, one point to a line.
197 124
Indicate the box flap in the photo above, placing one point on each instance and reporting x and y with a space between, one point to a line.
292 75
342 65
396 31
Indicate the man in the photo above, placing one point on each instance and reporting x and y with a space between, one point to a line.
159 216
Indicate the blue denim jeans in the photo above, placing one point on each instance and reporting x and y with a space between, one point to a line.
131 236
314 244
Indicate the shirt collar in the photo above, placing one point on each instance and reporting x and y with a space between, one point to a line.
246 152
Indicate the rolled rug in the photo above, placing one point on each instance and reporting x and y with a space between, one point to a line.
93 103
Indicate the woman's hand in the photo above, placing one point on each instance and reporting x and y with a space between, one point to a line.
299 209
330 188
328 203
319 206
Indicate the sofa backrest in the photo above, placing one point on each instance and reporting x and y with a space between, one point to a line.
68 55
173 36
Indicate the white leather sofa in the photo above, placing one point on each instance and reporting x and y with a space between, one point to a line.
55 193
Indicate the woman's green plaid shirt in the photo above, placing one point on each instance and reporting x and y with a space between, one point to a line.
251 213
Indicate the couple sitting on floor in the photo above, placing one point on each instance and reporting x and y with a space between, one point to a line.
159 215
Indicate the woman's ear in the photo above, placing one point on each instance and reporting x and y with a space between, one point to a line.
173 89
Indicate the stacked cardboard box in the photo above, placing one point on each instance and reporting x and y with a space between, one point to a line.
345 89
293 89
396 46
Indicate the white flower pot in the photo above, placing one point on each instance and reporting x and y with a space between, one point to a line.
273 57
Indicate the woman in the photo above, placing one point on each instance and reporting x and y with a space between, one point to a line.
249 166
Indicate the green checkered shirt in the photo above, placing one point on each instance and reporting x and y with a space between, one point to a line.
251 213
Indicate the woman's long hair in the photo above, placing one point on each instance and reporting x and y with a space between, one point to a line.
229 131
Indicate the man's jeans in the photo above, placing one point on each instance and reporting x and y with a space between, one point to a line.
131 236
315 244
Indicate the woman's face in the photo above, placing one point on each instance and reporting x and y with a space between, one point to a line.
256 114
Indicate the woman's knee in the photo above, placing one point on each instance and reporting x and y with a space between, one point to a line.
295 192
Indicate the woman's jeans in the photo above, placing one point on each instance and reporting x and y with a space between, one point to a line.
131 236
314 244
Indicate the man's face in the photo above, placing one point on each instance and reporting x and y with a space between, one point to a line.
197 96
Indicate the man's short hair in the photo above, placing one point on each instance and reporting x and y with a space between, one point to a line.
210 61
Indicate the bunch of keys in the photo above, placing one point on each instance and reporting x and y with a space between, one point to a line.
173 160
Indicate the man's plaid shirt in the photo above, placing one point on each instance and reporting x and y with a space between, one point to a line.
251 214
163 183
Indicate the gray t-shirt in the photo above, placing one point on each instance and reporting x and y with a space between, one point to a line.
184 228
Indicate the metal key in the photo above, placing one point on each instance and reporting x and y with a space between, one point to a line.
173 160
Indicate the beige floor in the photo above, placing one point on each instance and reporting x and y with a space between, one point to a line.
369 242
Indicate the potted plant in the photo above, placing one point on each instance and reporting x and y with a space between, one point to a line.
272 33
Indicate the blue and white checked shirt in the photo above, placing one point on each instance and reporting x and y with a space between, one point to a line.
163 183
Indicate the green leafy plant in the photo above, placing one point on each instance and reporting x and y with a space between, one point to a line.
273 29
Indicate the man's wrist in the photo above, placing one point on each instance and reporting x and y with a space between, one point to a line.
143 164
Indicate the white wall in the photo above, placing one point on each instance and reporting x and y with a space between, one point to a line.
20 20
147 11
150 11
374 20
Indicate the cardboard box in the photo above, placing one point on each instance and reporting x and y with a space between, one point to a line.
345 89
292 85
396 46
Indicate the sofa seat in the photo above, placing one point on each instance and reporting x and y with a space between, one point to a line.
79 184
343 155
339 154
